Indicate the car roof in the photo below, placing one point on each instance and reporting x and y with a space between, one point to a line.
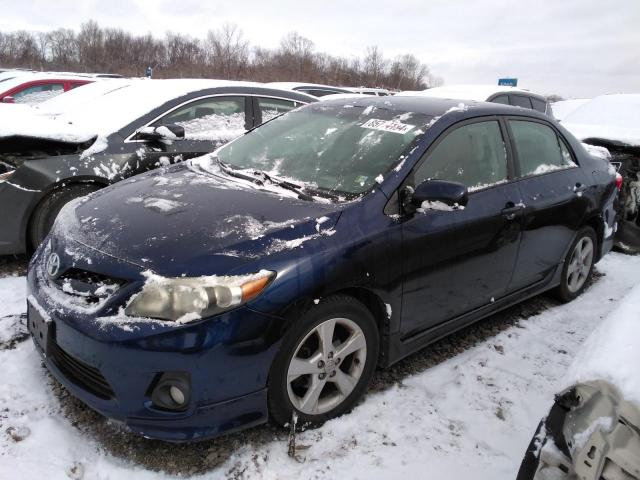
434 106
292 85
613 118
479 93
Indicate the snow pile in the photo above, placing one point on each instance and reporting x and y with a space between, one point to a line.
611 353
608 117
564 107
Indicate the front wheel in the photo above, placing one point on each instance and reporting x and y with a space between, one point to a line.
578 265
325 362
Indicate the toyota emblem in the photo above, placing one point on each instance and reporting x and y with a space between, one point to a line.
53 265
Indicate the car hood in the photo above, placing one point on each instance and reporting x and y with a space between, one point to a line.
180 220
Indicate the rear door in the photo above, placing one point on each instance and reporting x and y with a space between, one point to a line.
267 108
456 261
552 186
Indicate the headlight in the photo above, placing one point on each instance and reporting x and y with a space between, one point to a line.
186 299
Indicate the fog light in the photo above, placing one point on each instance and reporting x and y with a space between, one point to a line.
176 395
171 391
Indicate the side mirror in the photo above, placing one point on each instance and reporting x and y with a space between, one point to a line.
441 194
161 133
8 99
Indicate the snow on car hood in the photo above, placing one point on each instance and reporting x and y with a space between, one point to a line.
615 118
611 352
177 221
99 109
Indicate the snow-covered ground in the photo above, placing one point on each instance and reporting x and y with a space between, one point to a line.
470 416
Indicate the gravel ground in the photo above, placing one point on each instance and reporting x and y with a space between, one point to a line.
201 457
13 265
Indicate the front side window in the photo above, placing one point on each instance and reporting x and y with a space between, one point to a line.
214 118
473 155
341 149
38 93
539 149
272 107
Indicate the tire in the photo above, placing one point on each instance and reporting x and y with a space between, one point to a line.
47 210
338 382
576 273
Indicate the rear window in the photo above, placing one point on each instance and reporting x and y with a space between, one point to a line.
503 99
539 105
521 101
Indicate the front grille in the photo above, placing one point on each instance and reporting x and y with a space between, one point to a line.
88 287
80 373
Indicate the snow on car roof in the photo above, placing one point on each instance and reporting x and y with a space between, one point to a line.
103 109
611 352
292 85
564 107
337 96
479 93
613 117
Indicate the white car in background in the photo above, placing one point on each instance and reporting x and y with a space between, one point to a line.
592 432
380 92
613 122
314 89
564 107
517 97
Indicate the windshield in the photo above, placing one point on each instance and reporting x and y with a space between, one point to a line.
343 149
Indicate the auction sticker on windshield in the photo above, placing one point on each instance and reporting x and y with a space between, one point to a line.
387 126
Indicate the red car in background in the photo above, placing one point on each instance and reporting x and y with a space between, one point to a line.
38 87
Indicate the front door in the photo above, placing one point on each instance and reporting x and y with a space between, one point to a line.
456 261
208 123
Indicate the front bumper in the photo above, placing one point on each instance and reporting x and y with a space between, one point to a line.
17 205
227 359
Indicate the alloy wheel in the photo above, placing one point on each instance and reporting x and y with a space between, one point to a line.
326 366
580 264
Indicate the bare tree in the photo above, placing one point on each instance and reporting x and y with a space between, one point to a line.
224 53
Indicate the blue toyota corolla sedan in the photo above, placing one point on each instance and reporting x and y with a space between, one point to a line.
272 277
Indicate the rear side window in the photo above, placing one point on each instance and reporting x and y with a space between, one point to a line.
38 93
212 119
539 149
539 105
272 107
501 99
473 155
521 101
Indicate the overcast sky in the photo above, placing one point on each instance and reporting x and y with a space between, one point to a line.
572 47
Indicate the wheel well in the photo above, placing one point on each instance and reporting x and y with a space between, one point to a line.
49 192
597 224
377 308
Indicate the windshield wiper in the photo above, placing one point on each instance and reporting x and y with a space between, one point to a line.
294 187
266 177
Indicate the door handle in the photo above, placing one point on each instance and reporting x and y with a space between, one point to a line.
511 210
